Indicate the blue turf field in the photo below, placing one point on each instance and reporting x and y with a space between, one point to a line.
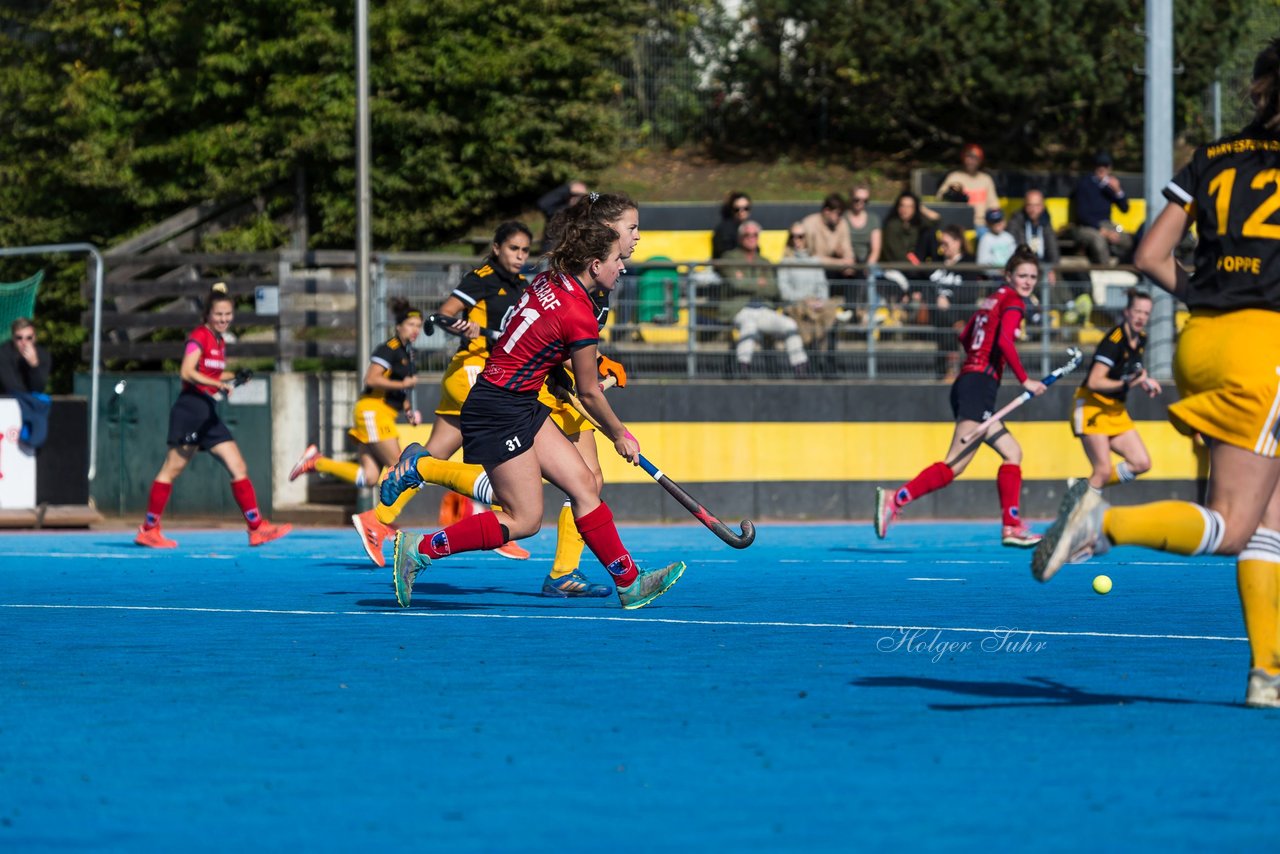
219 697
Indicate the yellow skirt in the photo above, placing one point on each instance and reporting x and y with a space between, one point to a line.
563 413
459 377
374 421
1095 414
1228 373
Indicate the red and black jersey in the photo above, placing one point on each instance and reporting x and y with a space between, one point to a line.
1231 188
213 358
397 363
554 317
990 335
490 295
1122 358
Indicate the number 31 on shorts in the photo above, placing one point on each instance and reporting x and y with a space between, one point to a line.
513 443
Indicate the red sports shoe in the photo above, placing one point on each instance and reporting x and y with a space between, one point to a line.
266 532
372 533
1019 537
153 539
306 462
513 551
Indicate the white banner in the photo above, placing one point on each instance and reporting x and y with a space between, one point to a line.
17 466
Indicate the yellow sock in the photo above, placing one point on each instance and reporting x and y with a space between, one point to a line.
1258 577
386 515
343 471
460 477
1168 526
569 544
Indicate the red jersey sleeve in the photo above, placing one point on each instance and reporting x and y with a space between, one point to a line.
1011 313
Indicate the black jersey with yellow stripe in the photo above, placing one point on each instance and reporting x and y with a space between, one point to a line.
490 295
397 363
1122 358
1231 188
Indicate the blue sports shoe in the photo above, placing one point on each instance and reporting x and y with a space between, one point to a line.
407 562
649 585
404 476
574 585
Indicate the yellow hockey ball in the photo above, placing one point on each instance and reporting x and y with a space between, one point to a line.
1102 585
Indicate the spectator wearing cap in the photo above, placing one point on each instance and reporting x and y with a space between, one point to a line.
1095 193
972 185
996 246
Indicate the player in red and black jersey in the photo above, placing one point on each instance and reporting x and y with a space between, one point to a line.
194 425
1098 414
989 343
1227 367
506 429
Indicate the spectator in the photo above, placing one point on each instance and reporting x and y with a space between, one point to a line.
909 234
864 227
733 213
803 286
1032 227
955 295
972 185
750 302
1102 239
565 196
996 247
827 236
24 373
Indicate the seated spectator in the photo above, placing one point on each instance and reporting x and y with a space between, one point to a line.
803 287
1095 193
750 302
734 212
1031 226
909 235
972 185
827 235
955 295
864 227
996 247
24 373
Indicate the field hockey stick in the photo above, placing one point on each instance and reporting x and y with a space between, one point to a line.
444 321
1071 364
737 539
242 376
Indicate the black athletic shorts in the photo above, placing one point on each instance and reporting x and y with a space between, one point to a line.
499 425
973 397
194 421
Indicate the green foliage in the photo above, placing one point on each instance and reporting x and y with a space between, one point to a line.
1035 81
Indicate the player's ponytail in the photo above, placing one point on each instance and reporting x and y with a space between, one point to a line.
1265 89
218 293
402 311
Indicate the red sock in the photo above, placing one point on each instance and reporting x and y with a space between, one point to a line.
242 489
1009 485
931 479
159 497
601 536
473 533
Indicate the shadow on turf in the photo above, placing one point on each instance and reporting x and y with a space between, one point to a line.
1036 691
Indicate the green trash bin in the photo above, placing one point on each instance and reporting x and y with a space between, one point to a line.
658 293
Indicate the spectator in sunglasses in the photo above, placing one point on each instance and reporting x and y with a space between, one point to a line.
733 213
24 364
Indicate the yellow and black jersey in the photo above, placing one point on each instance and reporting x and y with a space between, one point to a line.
490 295
397 363
1123 359
1231 188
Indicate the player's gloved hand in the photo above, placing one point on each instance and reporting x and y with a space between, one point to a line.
560 381
243 376
609 367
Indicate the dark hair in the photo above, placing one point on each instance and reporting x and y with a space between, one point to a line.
508 230
1024 254
401 310
726 209
20 324
955 232
1134 294
218 293
580 241
603 208
917 218
834 201
1264 91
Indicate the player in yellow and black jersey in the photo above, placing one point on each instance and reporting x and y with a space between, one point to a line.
1099 416
1228 372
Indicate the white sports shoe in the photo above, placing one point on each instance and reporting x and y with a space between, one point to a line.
1263 691
1076 535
